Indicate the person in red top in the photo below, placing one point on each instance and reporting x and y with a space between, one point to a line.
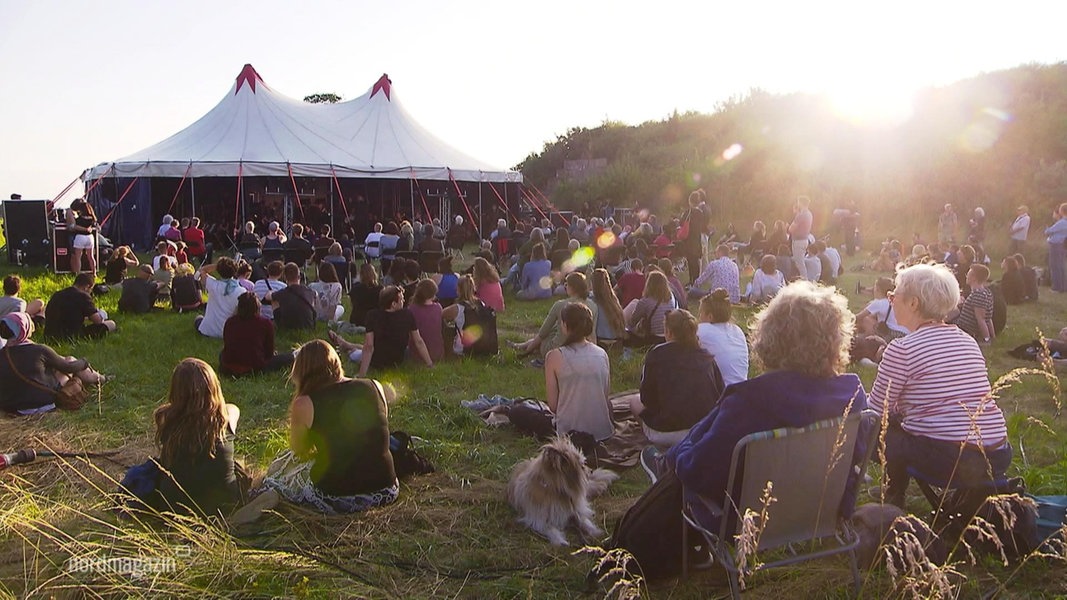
248 342
194 237
632 284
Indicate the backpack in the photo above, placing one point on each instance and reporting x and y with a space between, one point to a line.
651 531
478 335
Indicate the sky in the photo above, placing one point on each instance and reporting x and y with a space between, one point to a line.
84 83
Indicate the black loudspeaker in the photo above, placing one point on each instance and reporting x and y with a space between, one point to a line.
26 232
63 242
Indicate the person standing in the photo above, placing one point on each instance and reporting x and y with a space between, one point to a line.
1057 236
946 226
81 221
799 230
690 246
1020 229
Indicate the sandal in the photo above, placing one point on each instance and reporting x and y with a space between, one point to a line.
335 338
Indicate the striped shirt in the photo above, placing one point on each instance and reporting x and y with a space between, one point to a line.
980 297
936 379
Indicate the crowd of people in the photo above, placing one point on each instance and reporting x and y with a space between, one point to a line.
618 287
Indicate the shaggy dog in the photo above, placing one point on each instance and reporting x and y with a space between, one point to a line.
553 489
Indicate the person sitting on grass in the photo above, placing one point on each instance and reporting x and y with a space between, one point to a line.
139 293
338 460
677 289
244 274
328 291
446 281
551 335
719 273
10 301
270 284
69 308
195 431
1029 276
1011 281
164 276
644 318
364 294
610 322
31 373
487 282
222 295
722 338
466 340
578 378
185 293
766 281
427 312
975 314
631 284
535 279
390 330
248 342
680 383
294 306
121 260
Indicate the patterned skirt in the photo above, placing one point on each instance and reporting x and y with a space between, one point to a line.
291 477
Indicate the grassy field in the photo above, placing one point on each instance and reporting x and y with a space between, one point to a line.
451 534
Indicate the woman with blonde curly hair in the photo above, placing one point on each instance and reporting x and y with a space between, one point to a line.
801 339
195 431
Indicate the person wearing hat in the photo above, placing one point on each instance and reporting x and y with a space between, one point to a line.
29 372
1020 229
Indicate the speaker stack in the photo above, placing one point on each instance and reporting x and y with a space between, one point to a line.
26 230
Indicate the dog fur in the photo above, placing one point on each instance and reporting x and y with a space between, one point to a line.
553 489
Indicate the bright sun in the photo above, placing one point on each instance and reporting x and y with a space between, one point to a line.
875 101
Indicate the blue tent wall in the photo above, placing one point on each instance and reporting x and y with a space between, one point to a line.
130 222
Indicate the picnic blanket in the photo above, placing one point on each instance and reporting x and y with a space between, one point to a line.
621 451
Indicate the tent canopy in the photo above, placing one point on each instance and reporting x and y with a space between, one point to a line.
255 131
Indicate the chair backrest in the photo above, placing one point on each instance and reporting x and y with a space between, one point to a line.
809 468
428 259
273 254
408 254
297 255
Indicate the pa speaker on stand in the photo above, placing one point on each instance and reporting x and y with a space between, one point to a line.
27 233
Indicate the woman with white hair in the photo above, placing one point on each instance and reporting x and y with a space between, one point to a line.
456 238
801 339
161 233
934 384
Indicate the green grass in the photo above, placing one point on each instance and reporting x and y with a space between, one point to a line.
451 534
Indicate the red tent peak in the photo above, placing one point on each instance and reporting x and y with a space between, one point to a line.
384 84
248 74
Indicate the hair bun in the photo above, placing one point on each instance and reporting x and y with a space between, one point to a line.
720 294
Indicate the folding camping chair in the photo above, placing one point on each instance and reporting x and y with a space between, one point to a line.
429 260
809 468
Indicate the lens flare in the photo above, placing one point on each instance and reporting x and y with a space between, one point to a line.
580 258
732 152
606 240
471 335
545 283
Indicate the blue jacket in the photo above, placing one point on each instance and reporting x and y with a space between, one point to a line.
770 401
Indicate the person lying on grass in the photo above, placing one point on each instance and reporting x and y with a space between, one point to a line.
338 459
389 331
195 431
30 373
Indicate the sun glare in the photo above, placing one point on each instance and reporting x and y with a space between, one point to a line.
873 102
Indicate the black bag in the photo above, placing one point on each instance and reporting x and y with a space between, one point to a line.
651 530
406 460
530 417
479 330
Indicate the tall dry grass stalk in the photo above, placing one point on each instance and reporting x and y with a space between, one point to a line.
612 567
747 542
912 571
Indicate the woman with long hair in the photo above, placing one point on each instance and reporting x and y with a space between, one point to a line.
535 279
81 221
364 294
487 282
481 337
248 342
645 323
338 459
680 383
610 323
578 378
194 432
427 313
328 291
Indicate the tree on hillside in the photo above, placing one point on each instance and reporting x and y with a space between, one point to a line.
326 98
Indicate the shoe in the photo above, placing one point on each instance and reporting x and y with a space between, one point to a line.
651 459
537 363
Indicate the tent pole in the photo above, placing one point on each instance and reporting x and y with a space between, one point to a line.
411 194
506 204
480 230
192 192
333 225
